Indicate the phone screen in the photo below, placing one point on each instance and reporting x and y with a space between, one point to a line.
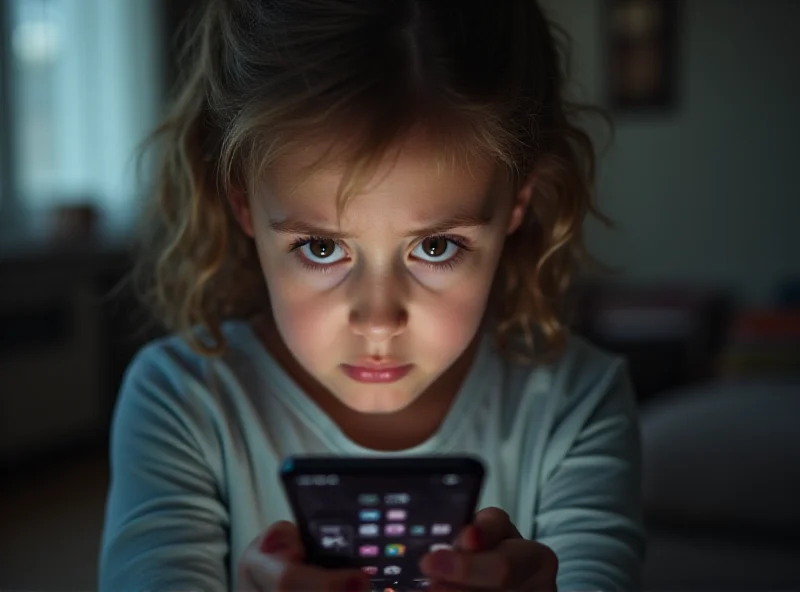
382 523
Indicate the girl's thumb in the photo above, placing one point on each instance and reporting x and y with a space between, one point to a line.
265 560
282 540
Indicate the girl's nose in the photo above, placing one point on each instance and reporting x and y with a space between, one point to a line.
379 312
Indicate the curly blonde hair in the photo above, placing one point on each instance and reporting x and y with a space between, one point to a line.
259 75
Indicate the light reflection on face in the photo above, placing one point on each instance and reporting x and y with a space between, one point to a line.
379 303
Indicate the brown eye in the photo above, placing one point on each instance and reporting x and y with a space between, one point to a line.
434 246
319 252
321 248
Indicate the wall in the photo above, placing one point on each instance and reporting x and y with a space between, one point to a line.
709 191
86 87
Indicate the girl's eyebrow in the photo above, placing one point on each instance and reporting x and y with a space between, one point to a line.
461 220
294 226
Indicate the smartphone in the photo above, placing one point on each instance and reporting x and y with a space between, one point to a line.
381 514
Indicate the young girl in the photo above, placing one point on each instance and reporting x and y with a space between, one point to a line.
368 214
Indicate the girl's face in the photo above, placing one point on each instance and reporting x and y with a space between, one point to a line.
377 305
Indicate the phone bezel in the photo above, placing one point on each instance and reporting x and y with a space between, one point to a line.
293 466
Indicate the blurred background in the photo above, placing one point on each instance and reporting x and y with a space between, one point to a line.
700 179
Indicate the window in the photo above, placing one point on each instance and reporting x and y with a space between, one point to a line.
84 86
5 135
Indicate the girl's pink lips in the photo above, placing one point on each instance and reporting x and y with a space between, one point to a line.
377 373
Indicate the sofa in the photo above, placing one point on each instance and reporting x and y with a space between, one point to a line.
719 398
721 487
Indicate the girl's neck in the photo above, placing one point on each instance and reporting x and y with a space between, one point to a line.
401 430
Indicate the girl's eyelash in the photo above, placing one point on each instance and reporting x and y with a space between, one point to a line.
463 248
446 265
302 241
459 241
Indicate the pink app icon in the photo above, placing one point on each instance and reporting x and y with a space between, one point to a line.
396 515
368 551
370 570
394 529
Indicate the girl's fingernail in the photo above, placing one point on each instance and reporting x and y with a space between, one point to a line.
444 563
274 542
354 585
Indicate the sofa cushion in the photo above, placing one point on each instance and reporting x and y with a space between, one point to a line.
724 454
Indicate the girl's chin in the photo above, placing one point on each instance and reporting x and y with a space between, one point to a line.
378 402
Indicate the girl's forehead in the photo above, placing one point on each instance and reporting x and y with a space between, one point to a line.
415 164
410 186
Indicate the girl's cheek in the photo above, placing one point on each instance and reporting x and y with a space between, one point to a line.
469 274
305 320
288 272
445 278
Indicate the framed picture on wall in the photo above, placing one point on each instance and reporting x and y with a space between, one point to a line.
641 57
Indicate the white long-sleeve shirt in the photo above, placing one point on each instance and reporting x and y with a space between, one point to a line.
197 444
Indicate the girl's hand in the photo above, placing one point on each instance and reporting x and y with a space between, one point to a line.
490 554
274 563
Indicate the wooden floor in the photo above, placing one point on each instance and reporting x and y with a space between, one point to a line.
50 524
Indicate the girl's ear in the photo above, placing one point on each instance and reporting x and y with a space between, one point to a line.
521 201
237 198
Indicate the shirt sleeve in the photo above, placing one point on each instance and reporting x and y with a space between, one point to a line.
165 527
590 505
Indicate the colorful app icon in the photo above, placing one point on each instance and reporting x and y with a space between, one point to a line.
394 529
396 515
440 547
335 537
334 542
368 530
369 550
417 530
369 515
368 499
370 570
440 529
392 570
395 550
397 499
